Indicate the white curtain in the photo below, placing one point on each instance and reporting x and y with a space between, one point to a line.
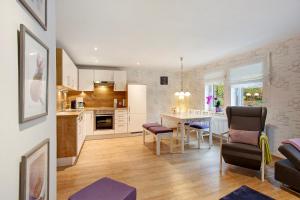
246 73
216 77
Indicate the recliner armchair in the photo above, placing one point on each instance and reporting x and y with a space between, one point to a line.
240 154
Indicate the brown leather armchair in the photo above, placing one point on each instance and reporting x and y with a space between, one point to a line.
244 155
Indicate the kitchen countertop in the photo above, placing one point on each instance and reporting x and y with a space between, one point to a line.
76 112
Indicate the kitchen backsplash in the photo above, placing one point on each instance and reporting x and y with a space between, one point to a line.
102 96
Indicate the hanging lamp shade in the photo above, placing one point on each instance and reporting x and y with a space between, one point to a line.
181 94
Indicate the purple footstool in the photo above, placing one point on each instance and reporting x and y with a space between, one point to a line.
106 189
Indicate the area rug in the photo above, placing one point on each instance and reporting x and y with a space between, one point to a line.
246 193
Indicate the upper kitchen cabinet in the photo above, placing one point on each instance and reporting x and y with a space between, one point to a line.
66 71
103 75
120 80
86 80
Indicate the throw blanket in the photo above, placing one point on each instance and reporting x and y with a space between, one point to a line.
268 155
295 142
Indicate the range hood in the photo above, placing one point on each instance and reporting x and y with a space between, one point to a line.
103 83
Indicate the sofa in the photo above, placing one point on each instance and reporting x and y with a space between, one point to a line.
287 170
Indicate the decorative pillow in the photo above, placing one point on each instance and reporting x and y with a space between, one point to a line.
291 153
246 137
295 142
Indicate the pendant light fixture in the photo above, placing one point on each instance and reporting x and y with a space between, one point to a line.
181 94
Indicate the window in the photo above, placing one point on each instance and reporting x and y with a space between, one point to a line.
248 94
214 91
246 84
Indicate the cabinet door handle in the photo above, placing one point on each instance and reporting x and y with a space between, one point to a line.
129 119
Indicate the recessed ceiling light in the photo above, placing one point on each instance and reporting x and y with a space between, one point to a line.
138 63
96 48
96 60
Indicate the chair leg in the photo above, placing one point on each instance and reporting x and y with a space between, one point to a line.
177 130
188 136
202 138
171 142
199 138
263 162
144 133
221 159
157 145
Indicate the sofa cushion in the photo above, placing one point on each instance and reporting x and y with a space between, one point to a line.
160 129
148 125
286 173
246 137
199 125
291 153
295 142
243 155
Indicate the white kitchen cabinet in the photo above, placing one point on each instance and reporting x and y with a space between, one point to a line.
89 122
137 101
67 72
137 107
120 80
86 80
121 121
135 122
103 75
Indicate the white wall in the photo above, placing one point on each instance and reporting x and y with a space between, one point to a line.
160 98
281 96
16 139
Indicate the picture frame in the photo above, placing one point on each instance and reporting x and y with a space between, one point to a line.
164 80
33 76
34 173
38 9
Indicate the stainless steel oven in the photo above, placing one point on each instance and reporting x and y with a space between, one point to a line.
104 120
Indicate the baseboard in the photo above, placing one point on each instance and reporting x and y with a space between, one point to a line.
111 136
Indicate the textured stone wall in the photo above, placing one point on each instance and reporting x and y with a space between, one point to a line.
160 98
281 89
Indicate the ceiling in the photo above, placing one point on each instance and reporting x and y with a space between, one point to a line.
155 33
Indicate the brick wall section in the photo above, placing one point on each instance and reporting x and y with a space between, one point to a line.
281 89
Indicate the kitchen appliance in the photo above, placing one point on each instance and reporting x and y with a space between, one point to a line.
104 120
137 107
73 104
79 103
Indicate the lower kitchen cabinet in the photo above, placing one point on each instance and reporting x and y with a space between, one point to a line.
89 122
71 134
121 121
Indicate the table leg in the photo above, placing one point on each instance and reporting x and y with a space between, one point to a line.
210 134
182 136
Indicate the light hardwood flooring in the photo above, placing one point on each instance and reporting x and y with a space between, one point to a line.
192 175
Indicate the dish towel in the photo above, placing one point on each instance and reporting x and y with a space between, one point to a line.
268 155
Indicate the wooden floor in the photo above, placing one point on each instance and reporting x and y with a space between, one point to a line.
188 176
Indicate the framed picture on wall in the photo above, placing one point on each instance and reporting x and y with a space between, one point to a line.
33 75
38 9
164 80
35 173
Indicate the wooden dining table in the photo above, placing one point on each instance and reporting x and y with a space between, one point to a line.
183 118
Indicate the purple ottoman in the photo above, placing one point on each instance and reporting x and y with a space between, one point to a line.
106 189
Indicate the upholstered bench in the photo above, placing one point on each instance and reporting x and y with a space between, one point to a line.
148 125
146 129
158 132
106 189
